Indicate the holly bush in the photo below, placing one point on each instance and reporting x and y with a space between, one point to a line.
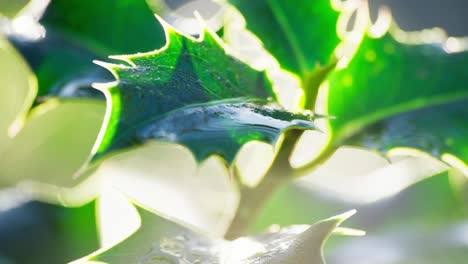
155 138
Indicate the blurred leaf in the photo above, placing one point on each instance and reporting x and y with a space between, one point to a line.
78 31
429 204
161 241
43 233
63 69
18 89
423 221
10 8
193 93
426 223
395 94
445 245
112 27
54 143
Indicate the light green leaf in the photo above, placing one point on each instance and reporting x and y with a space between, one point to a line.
10 8
399 94
55 142
193 93
161 241
18 89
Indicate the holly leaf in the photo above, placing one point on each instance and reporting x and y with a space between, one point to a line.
78 31
160 240
45 136
191 92
439 130
62 68
70 35
131 26
399 94
52 144
18 91
301 35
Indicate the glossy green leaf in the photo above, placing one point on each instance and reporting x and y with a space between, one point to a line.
161 241
395 94
301 35
193 93
78 31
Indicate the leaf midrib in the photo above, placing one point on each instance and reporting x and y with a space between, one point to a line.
290 37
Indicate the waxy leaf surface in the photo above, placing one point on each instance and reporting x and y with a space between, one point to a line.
192 92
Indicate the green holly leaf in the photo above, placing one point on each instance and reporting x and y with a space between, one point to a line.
78 31
193 93
396 94
301 35
162 241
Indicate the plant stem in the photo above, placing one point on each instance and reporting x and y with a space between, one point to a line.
252 199
251 202
312 81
